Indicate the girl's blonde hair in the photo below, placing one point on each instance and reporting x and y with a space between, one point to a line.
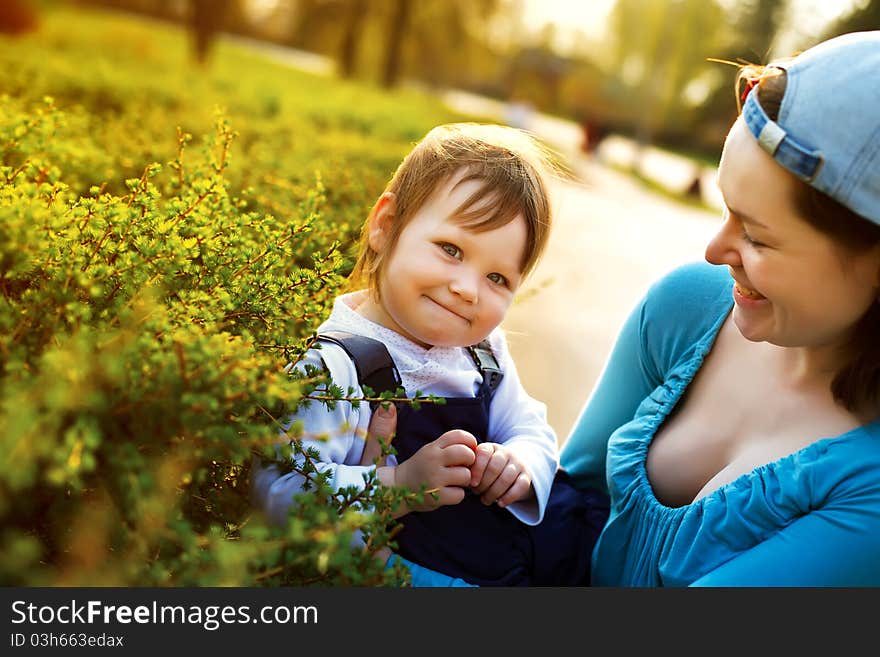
512 166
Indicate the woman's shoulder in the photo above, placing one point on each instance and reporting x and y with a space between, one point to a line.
853 458
684 308
691 288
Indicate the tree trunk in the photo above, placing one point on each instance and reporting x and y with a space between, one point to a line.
396 32
206 19
17 17
348 50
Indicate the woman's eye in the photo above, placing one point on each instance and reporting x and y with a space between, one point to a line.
751 241
497 278
451 249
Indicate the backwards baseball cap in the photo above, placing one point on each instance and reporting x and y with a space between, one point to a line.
828 129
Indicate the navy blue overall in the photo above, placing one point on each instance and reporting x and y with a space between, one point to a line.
483 545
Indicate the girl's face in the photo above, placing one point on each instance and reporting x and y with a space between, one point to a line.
794 286
445 284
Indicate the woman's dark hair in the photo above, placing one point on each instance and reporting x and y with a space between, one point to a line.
857 384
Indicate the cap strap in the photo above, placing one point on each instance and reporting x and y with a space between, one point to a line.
803 162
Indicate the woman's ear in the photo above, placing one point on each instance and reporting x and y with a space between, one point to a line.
381 221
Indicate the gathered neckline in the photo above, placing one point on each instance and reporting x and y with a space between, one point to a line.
689 370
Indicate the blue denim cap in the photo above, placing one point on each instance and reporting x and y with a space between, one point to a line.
828 129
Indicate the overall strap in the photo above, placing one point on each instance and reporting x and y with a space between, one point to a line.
375 368
487 364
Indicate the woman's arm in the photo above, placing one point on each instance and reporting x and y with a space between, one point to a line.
826 547
676 314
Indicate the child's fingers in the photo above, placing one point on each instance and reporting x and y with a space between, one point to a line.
457 437
494 467
483 454
457 455
449 495
518 491
501 484
458 476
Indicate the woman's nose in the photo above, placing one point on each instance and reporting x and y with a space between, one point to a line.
723 249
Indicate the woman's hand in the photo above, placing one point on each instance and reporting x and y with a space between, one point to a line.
383 425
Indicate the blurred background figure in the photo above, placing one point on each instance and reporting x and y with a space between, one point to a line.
594 132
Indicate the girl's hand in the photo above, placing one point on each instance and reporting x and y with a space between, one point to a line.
497 474
442 466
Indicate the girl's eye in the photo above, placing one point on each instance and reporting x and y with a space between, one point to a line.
451 249
497 278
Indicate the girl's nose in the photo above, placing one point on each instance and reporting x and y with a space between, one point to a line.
723 249
465 286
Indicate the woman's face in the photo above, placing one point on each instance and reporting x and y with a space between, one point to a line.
794 286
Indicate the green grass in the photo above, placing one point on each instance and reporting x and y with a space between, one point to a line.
146 311
125 84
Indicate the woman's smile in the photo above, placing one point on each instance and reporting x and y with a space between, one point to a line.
748 293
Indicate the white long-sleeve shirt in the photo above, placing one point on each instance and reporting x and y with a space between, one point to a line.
516 420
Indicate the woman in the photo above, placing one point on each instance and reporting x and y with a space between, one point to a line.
741 400
736 424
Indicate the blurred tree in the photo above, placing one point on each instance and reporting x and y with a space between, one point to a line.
354 27
239 19
641 31
206 19
447 43
397 27
863 17
589 95
659 50
440 42
536 74
17 17
314 24
694 29
753 28
173 10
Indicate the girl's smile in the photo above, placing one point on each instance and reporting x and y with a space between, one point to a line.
444 283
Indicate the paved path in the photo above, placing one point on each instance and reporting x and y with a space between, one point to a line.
611 239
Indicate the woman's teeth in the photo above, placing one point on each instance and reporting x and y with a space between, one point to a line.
747 293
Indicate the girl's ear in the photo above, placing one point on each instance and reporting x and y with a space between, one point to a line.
381 221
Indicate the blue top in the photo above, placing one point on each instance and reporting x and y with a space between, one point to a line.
811 518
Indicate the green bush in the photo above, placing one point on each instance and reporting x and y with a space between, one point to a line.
157 271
